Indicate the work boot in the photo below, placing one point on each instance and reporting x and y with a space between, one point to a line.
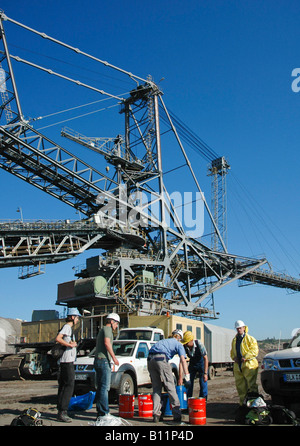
176 419
156 418
63 416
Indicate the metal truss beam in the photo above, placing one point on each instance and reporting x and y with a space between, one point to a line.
186 271
37 160
50 242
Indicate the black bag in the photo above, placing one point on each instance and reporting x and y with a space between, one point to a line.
57 351
282 415
254 411
29 417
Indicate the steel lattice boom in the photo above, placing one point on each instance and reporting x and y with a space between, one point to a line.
149 262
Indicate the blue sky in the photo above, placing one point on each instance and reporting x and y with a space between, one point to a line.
226 69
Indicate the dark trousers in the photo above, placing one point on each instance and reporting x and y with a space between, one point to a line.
203 384
66 380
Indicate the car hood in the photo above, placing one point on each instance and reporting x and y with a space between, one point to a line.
284 354
87 360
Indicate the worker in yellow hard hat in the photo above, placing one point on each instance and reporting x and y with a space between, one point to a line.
244 350
197 354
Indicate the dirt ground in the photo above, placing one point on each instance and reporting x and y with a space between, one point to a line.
15 396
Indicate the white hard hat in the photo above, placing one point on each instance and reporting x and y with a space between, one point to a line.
177 332
239 324
114 316
73 312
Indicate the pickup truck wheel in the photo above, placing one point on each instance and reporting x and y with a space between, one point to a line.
126 385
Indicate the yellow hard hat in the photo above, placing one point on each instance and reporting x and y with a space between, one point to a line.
187 337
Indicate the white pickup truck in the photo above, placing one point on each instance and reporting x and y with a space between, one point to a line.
280 376
131 348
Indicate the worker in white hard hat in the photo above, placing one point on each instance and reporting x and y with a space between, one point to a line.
244 350
104 355
66 374
177 333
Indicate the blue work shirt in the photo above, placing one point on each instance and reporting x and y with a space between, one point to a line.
170 347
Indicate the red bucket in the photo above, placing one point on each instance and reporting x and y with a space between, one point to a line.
145 405
197 410
126 406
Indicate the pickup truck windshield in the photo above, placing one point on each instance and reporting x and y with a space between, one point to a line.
123 348
140 335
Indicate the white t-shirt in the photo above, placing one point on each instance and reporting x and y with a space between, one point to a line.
69 354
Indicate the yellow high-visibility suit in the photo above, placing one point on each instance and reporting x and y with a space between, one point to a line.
245 373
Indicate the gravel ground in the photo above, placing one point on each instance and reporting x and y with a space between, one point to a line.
15 396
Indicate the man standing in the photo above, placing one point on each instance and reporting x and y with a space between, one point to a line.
244 350
160 371
66 373
104 354
198 363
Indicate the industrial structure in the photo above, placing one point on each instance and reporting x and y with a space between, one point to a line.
147 260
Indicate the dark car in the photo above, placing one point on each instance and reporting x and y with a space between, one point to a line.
280 375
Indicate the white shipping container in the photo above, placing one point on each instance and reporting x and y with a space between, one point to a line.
217 341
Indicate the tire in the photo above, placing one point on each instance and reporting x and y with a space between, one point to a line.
211 372
126 386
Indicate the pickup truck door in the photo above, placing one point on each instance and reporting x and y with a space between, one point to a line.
141 364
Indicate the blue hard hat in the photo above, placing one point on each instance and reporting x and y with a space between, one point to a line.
73 312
